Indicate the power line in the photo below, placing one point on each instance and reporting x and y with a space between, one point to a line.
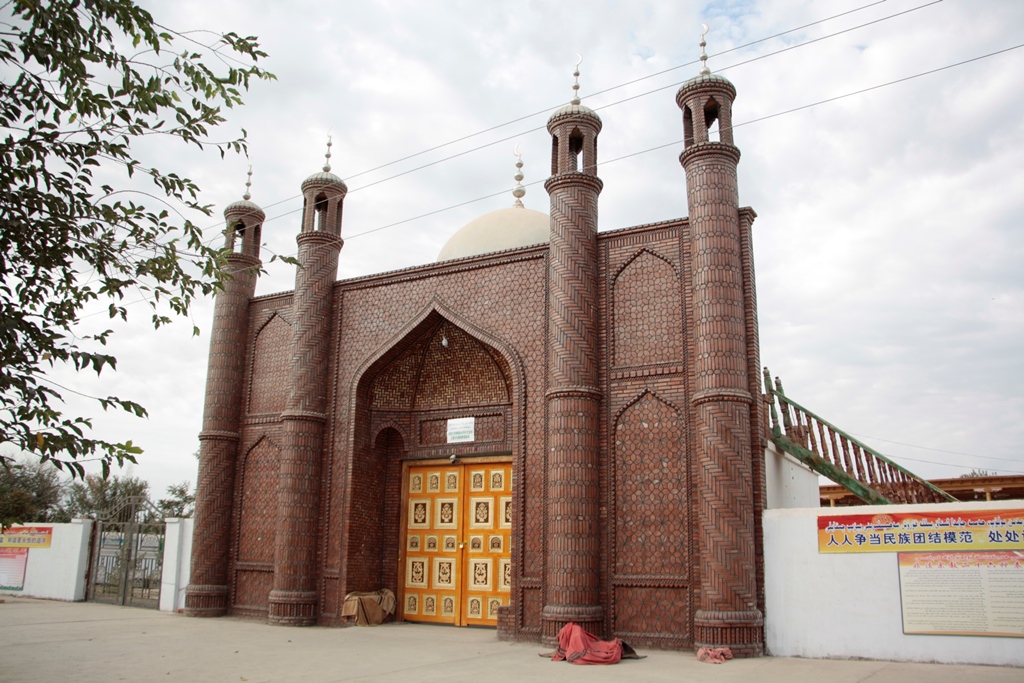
605 106
946 464
937 450
737 125
662 146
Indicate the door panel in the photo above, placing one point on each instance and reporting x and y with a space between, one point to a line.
456 543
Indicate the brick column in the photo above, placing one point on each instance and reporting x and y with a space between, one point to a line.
207 593
722 400
573 394
293 600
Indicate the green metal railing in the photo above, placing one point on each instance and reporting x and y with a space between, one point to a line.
833 453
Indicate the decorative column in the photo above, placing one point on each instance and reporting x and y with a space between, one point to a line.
722 400
293 600
573 394
207 593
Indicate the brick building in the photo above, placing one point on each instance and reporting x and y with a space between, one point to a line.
549 424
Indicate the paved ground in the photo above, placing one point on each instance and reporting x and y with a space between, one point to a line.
82 642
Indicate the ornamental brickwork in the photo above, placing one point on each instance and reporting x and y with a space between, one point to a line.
615 371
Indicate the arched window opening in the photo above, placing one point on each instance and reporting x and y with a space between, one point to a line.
575 149
320 206
238 238
687 126
711 119
554 155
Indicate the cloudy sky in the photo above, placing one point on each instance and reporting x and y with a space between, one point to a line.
889 248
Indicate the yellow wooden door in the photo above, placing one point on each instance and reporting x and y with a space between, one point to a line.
457 559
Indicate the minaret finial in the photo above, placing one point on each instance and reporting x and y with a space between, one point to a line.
704 71
518 191
327 157
248 184
576 85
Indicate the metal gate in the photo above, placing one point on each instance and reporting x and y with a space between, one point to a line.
127 555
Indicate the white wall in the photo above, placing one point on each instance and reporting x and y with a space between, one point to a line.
848 605
177 560
790 483
58 572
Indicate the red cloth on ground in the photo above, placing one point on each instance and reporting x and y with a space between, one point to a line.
579 646
714 655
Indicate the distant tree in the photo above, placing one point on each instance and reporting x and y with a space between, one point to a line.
83 220
180 500
31 491
105 497
978 473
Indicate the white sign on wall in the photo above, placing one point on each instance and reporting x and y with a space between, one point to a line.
461 429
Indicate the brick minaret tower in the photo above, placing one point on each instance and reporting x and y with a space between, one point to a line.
207 593
293 599
573 394
722 400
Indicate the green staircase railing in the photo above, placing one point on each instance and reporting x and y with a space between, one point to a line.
834 454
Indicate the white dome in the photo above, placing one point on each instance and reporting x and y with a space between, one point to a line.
497 231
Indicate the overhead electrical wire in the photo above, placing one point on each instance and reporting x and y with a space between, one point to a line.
605 106
652 149
734 126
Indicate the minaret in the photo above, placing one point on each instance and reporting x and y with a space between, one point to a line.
207 593
722 400
573 394
293 600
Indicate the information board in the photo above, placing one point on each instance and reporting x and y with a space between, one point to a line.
977 594
12 568
461 429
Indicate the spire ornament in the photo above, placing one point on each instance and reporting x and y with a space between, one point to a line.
704 71
518 191
576 85
327 157
248 184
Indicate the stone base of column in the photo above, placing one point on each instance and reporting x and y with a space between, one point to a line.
292 608
206 601
742 632
506 623
555 617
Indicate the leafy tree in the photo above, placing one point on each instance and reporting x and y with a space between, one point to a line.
180 500
105 497
82 81
31 492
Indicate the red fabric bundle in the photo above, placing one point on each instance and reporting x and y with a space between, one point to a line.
579 646
714 655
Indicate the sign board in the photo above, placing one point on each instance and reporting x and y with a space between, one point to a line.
887 532
12 568
963 593
461 429
27 537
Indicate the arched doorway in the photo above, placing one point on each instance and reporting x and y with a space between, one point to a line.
432 486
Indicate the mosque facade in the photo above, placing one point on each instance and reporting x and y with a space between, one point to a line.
547 425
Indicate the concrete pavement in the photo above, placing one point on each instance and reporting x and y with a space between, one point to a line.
49 641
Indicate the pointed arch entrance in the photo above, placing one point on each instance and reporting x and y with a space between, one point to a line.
431 510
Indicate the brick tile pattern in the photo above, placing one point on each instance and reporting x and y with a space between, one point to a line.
647 307
268 390
294 598
728 612
617 370
573 394
207 594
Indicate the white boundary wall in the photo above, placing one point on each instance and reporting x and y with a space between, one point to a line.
789 483
848 605
177 559
58 572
